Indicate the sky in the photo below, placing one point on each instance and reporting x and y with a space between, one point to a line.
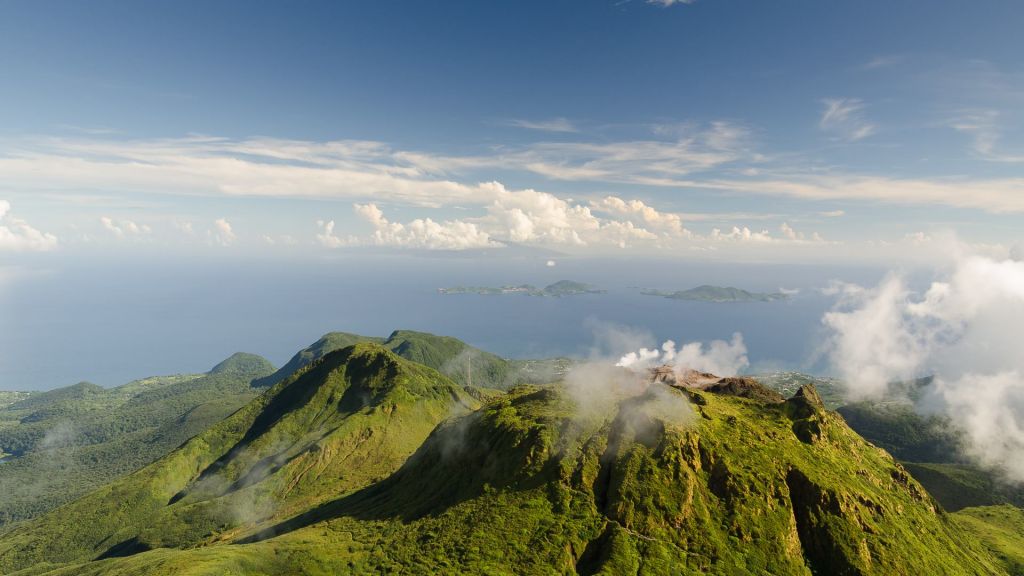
155 154
712 129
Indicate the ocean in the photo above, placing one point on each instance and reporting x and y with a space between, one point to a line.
113 320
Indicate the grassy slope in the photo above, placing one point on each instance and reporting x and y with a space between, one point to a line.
448 355
527 485
1001 529
340 423
72 440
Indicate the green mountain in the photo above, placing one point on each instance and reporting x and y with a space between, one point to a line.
340 423
707 293
452 357
69 441
326 344
361 464
927 446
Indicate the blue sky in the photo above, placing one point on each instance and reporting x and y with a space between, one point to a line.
716 130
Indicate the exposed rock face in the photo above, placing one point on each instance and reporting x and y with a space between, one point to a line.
741 386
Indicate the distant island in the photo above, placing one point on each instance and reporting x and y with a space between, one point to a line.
558 289
708 293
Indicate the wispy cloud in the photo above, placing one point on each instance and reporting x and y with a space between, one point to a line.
551 125
885 61
667 3
985 130
843 119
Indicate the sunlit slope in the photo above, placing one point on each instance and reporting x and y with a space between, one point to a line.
452 357
349 419
530 485
1001 529
69 441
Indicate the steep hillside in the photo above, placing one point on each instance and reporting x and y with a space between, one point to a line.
325 345
342 422
545 481
452 357
68 441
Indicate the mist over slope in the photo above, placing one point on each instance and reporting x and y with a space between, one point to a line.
66 442
362 463
963 332
344 421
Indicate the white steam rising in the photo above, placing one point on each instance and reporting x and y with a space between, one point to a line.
719 357
966 329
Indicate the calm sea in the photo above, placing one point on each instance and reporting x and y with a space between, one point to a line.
116 320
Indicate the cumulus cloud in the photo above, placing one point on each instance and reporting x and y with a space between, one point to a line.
124 228
843 118
641 214
538 218
422 232
16 235
738 234
328 239
222 234
965 330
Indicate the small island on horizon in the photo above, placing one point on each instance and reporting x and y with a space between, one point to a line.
558 289
708 293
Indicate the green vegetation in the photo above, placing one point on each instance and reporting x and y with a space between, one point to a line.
69 441
1001 529
706 293
344 421
898 428
958 486
556 290
316 477
452 357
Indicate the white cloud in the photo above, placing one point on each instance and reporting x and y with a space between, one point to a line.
16 235
993 195
843 118
667 3
719 357
371 171
738 234
420 233
222 234
964 329
552 125
328 239
124 228
550 263
641 214
832 213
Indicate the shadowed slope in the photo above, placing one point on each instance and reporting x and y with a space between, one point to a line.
342 422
